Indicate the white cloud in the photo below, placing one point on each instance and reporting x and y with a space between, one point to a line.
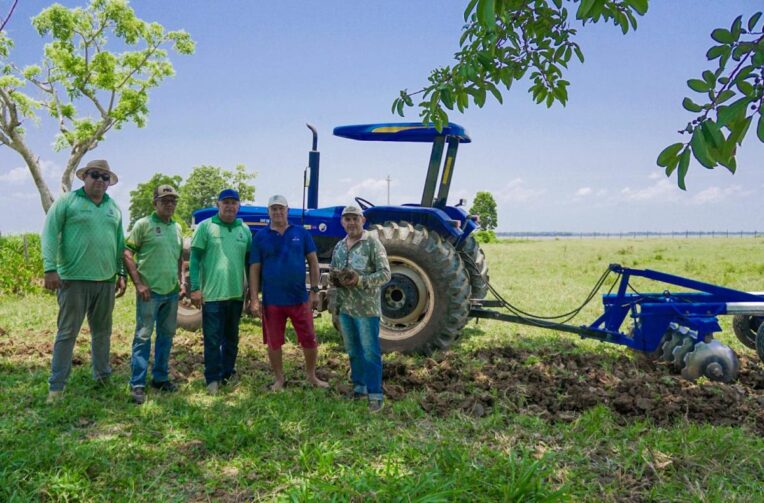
656 175
16 175
50 172
584 191
718 194
516 191
659 190
372 189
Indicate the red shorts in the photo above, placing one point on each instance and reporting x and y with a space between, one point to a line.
274 325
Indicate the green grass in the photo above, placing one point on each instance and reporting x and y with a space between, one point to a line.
305 444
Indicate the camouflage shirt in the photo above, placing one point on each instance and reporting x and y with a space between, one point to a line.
367 257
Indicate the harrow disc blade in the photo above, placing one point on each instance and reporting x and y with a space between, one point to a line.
669 344
680 353
713 360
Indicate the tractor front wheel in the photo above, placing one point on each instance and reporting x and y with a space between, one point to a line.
426 302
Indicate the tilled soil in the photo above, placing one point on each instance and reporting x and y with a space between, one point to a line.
554 384
559 385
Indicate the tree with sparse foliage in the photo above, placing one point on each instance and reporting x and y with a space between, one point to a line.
203 185
142 198
484 207
504 41
86 88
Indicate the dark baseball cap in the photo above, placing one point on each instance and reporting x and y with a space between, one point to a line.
228 194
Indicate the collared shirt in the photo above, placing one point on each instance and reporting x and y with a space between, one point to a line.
157 246
218 259
82 240
282 259
368 258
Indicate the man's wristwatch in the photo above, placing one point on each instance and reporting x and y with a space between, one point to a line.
315 289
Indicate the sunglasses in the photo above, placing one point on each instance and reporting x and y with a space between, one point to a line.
95 175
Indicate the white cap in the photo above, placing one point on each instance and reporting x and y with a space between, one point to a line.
277 200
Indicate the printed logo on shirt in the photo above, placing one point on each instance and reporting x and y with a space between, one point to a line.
358 262
158 229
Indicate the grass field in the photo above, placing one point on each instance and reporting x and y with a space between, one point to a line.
510 413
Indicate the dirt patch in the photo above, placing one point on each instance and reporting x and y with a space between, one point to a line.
558 386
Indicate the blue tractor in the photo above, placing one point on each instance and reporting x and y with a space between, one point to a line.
438 268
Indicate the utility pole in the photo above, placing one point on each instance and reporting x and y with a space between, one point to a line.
388 180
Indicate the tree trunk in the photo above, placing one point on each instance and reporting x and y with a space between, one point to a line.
46 198
67 177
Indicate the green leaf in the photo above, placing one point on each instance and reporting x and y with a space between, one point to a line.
738 130
722 36
684 164
727 115
700 149
715 52
486 10
746 88
669 153
469 9
730 164
760 128
713 134
579 54
583 9
724 96
710 78
672 165
736 27
496 94
752 22
691 106
698 85
640 6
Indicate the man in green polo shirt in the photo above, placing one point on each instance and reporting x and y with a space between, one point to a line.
218 275
82 245
153 260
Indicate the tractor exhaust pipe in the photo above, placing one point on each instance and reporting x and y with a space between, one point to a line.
313 162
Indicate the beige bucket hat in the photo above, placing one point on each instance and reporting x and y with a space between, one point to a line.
100 165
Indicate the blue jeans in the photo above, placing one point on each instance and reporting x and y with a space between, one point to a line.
220 325
361 336
162 311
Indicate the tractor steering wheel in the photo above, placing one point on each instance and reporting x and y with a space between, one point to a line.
363 203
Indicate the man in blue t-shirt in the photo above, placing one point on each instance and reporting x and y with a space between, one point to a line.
277 264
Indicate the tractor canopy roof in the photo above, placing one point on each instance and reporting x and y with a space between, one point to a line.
402 131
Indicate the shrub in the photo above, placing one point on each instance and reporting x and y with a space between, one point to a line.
20 273
484 236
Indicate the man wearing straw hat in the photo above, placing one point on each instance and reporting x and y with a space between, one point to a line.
82 246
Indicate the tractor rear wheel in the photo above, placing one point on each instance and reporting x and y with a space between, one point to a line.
745 328
477 267
426 303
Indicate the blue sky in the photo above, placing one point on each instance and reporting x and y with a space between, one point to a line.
264 69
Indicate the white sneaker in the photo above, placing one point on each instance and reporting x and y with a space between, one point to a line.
212 388
54 396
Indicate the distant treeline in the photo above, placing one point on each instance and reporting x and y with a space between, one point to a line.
630 234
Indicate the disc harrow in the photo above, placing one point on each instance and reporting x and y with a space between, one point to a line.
676 327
